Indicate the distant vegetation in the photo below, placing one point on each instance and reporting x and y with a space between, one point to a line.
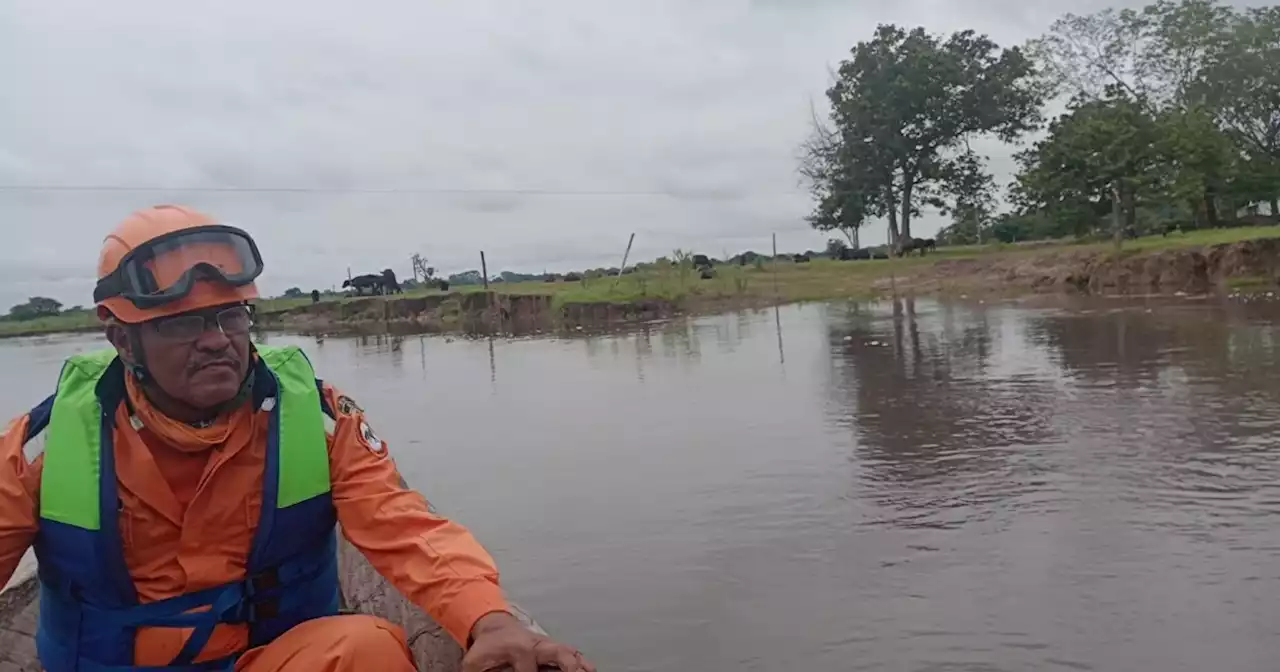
41 314
744 279
1172 122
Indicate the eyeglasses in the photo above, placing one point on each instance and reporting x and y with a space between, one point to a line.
230 321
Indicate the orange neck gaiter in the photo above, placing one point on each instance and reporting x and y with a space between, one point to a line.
175 433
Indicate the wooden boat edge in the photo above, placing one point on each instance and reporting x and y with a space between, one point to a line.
363 591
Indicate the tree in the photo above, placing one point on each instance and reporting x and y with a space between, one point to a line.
972 199
900 109
1199 68
1099 150
1242 83
35 307
1082 56
420 267
467 278
834 182
293 293
835 248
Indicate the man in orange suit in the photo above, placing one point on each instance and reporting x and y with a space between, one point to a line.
185 505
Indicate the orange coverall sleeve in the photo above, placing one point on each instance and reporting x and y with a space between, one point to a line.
19 498
434 562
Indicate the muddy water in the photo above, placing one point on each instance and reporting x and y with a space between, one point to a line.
907 486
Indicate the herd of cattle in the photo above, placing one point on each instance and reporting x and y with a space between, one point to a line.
376 283
385 283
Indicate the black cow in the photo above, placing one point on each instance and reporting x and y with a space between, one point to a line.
847 254
921 244
389 283
315 296
370 281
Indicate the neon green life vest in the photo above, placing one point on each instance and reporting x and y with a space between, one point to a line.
89 608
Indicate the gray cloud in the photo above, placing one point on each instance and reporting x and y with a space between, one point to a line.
695 106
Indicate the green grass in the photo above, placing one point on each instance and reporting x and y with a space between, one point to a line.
66 322
1250 283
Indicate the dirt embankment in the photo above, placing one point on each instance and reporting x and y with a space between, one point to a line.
448 312
1165 271
1051 269
472 312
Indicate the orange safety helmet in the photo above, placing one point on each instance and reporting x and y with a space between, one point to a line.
169 259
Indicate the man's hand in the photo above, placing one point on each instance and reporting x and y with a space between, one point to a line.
500 640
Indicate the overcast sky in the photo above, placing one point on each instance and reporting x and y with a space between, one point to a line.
686 113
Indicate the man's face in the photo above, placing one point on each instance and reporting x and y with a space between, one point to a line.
196 361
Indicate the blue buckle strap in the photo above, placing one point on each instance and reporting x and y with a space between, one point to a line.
227 664
175 612
202 611
247 602
231 600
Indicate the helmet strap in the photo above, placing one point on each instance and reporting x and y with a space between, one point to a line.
139 366
243 394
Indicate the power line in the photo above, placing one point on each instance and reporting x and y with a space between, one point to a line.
107 188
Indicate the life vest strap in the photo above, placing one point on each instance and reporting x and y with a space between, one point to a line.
242 602
227 664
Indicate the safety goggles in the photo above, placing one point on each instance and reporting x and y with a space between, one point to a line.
166 268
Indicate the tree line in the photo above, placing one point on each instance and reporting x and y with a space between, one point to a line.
1172 120
37 307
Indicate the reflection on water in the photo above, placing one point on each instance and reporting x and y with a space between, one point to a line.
909 485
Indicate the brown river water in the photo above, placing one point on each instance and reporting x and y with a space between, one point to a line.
896 486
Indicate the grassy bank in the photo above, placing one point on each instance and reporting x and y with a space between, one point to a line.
768 282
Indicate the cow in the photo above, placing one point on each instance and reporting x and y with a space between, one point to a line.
921 244
370 281
847 254
389 283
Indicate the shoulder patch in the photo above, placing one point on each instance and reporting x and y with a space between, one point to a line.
348 406
371 440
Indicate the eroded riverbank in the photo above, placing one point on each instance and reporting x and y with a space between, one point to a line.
1054 269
